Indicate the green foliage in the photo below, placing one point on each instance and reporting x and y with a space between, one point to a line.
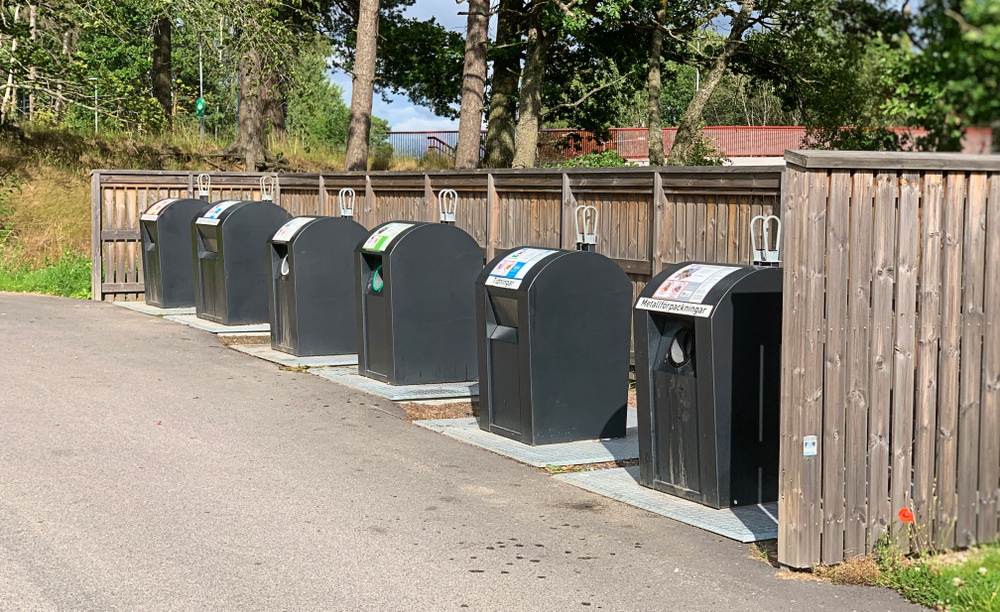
963 582
69 276
316 109
947 81
704 153
603 159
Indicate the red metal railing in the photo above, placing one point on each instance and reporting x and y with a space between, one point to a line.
631 143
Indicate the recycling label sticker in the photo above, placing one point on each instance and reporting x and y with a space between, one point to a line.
684 291
212 216
154 211
380 239
289 229
511 270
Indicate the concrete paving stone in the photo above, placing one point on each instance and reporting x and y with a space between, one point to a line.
217 328
145 308
266 353
349 377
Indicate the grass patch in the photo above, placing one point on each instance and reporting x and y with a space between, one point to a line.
68 276
966 581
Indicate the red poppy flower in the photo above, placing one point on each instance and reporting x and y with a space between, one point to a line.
906 515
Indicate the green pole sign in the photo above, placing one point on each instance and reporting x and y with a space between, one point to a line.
199 107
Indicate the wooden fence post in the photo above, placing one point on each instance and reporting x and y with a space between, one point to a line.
96 260
492 217
567 237
659 233
321 201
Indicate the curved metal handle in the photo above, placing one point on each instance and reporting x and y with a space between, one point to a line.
764 255
448 204
586 227
268 185
204 182
346 200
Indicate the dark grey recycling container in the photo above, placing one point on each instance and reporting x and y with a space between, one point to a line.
165 228
707 368
553 334
311 267
230 278
416 316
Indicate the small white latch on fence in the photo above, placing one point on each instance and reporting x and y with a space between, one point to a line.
268 185
346 200
768 252
586 228
448 203
204 186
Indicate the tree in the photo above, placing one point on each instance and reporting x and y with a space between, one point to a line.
362 88
529 108
473 85
162 69
688 132
654 86
507 54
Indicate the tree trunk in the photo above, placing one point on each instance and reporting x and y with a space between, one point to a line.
473 85
32 70
655 138
529 107
362 87
690 126
274 109
503 87
10 92
162 68
59 88
252 131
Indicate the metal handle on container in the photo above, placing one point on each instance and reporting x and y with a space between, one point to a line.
204 186
448 203
586 227
765 256
346 200
268 185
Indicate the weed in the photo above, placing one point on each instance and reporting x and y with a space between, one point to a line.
68 276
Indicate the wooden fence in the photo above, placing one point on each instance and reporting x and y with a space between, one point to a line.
891 352
648 217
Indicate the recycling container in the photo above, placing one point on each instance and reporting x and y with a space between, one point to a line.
416 303
553 339
165 228
230 277
311 267
707 368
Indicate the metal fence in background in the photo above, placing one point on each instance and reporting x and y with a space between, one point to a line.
632 143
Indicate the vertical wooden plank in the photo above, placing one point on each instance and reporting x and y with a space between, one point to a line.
701 230
925 417
691 238
321 201
710 230
722 231
970 379
96 258
567 234
370 203
835 388
858 346
792 548
680 225
882 329
493 217
989 444
811 397
903 394
432 210
663 226
732 248
948 373
190 185
120 224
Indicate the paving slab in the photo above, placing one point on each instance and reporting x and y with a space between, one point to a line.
217 328
264 351
743 523
145 308
569 453
349 377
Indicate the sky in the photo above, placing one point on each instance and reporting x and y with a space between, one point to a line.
403 115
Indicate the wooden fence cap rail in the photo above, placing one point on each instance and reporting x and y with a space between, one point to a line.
878 160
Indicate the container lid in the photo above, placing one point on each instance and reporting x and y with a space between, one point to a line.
287 231
510 271
684 291
212 216
380 239
154 211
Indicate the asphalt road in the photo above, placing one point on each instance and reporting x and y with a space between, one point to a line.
144 466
